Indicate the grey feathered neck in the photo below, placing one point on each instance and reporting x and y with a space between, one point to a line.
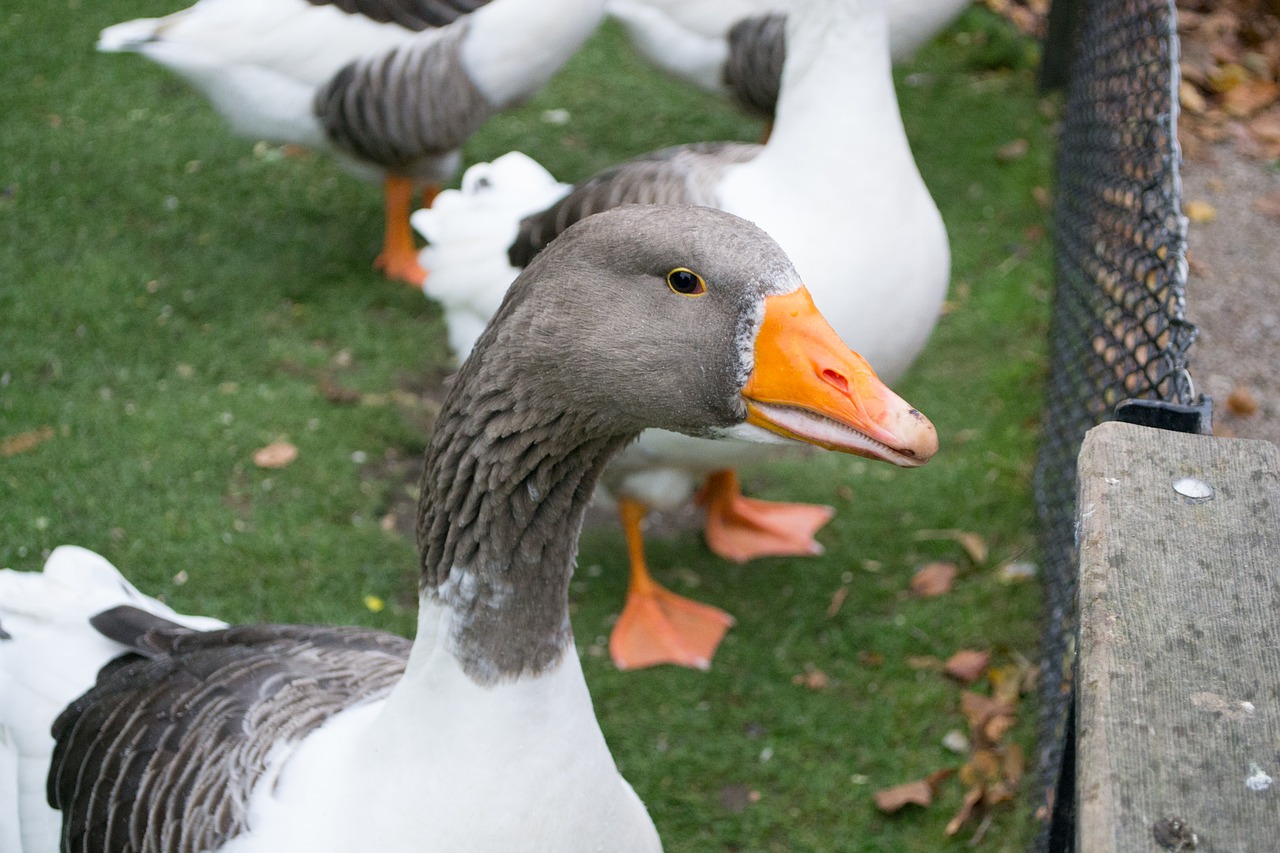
504 492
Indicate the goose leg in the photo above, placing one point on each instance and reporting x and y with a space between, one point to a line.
658 626
740 528
398 259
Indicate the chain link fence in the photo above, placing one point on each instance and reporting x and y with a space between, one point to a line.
1118 337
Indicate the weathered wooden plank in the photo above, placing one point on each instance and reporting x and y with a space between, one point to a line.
1179 686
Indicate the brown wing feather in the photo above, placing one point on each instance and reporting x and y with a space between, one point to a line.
416 15
684 174
160 756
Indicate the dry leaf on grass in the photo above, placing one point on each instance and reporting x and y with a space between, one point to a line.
892 799
989 719
1015 150
919 792
277 454
971 799
24 441
837 601
812 678
933 579
967 665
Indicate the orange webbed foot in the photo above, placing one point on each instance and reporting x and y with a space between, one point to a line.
740 528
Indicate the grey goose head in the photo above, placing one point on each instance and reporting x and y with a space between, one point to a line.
682 318
693 320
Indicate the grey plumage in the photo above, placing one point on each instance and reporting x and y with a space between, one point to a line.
683 174
753 70
409 109
177 736
414 15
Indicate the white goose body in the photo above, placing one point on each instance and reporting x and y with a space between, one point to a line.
388 100
838 160
480 735
261 62
385 776
689 39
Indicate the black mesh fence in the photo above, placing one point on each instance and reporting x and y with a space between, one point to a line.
1118 331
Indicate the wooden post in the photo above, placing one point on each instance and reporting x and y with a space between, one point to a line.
1178 707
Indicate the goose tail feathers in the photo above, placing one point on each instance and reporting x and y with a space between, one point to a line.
49 655
468 232
128 36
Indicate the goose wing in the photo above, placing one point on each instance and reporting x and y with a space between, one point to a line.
416 15
170 742
682 175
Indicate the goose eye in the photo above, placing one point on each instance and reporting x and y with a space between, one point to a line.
686 282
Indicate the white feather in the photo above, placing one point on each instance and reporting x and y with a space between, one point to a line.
468 231
689 38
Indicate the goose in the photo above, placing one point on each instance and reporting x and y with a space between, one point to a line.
480 734
391 88
735 48
824 172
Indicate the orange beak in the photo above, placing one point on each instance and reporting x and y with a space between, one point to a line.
808 386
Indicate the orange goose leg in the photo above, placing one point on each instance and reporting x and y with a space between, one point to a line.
398 259
741 528
658 626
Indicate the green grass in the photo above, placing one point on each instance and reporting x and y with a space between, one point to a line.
171 300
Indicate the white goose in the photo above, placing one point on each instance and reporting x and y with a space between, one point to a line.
392 88
836 187
480 736
731 48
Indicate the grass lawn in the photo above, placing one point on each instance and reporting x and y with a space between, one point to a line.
173 298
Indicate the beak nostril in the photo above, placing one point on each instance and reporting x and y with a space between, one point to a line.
836 380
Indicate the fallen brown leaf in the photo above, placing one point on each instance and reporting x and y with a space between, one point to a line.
871 659
890 800
277 454
812 678
1268 205
335 392
995 728
1250 97
1199 211
971 799
980 711
933 579
1190 98
967 665
1009 682
1015 150
24 441
1241 402
837 601
982 767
